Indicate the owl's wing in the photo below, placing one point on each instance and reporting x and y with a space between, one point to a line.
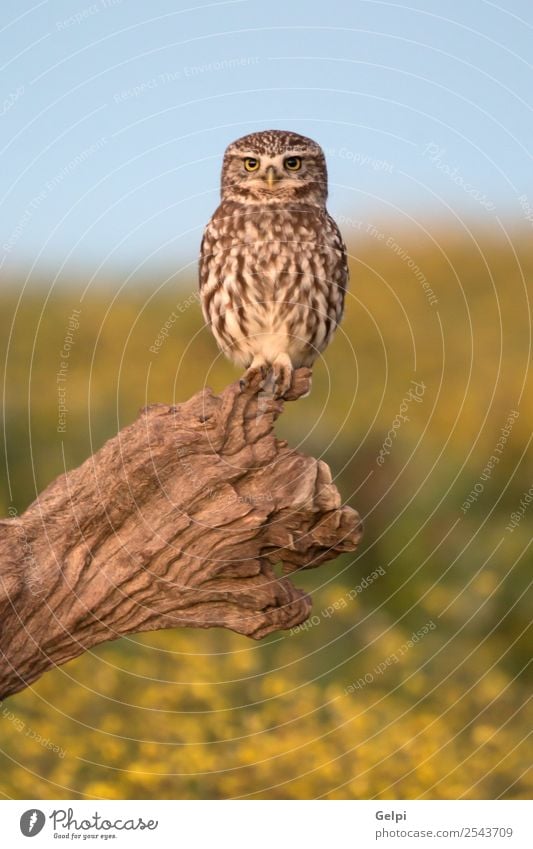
205 276
336 242
206 250
338 272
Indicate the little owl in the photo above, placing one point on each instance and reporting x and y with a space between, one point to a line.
273 269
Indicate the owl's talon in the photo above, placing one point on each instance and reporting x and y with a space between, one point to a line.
282 375
251 376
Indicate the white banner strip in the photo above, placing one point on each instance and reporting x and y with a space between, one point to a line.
268 824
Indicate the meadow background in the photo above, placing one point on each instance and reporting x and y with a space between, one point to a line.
412 678
345 707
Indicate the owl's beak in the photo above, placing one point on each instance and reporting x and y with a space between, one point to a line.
271 176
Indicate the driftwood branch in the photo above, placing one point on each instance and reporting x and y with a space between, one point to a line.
179 520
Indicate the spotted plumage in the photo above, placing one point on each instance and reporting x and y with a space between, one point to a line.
273 269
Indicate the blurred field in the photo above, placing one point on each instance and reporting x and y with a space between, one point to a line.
346 707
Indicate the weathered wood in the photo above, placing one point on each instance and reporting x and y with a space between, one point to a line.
179 520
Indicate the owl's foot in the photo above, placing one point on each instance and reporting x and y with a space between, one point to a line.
281 375
274 381
257 369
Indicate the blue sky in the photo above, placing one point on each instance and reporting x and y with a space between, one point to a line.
115 115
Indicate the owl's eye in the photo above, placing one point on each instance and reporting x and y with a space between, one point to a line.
293 163
251 164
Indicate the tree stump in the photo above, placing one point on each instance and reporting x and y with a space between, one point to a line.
178 521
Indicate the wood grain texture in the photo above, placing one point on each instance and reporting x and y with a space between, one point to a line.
178 521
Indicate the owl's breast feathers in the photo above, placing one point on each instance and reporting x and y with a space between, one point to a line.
270 267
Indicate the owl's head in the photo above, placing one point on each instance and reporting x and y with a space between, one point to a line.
275 166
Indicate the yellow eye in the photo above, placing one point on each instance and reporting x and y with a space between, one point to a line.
293 163
251 164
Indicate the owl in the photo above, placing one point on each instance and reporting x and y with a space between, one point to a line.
273 268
